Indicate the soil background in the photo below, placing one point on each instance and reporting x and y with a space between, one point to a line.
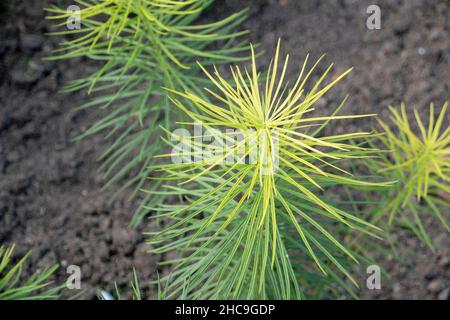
50 189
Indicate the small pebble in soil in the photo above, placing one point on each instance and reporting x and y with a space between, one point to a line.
26 72
434 286
402 25
444 262
422 51
444 294
31 41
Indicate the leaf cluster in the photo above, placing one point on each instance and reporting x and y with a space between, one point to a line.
14 287
144 45
250 229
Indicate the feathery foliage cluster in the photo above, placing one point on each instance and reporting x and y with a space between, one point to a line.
14 287
144 45
421 165
246 202
237 221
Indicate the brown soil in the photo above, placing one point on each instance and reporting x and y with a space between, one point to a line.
50 198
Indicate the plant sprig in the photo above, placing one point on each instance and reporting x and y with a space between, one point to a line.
14 287
420 162
229 228
144 45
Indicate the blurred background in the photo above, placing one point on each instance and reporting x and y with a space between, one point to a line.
50 197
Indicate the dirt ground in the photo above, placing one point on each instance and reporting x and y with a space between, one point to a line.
50 198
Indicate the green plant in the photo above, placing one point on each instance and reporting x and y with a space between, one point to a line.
144 45
421 165
12 285
135 290
248 202
249 228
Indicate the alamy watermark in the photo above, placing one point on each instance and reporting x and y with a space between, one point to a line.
73 282
373 281
373 21
74 20
211 146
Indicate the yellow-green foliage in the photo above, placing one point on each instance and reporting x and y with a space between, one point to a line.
251 201
161 24
144 45
14 287
419 159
